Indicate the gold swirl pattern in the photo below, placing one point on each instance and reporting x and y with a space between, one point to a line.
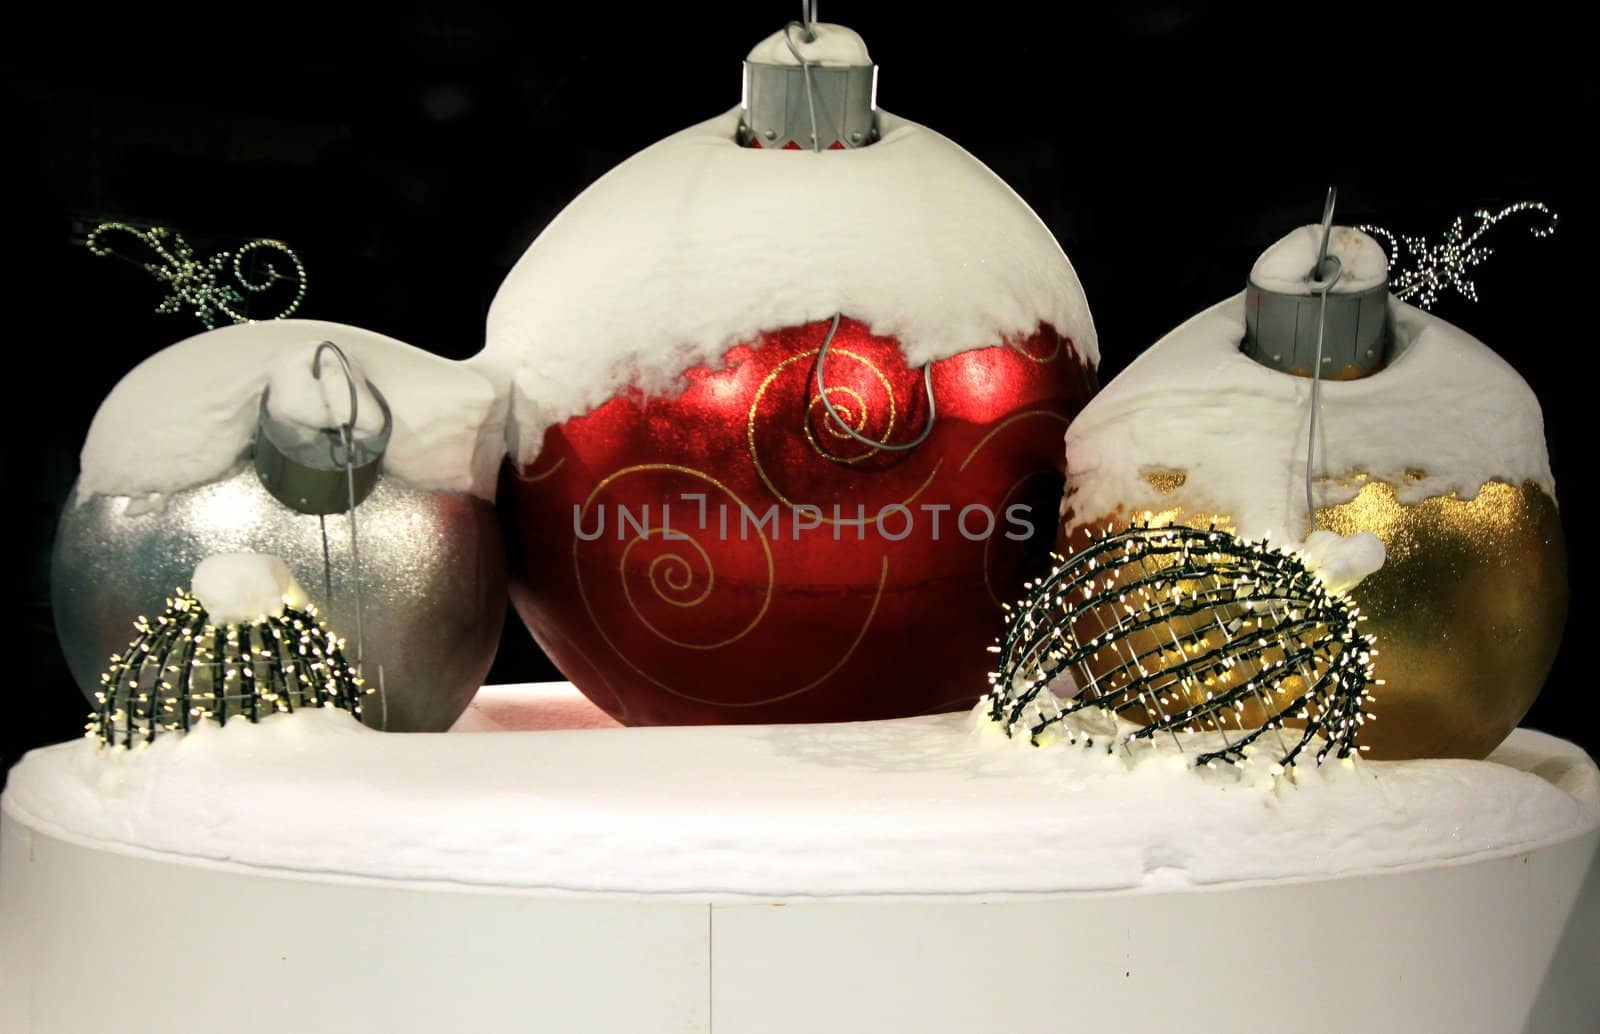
1055 352
861 633
833 428
679 578
988 540
1024 415
675 574
816 403
532 478
684 578
860 421
685 571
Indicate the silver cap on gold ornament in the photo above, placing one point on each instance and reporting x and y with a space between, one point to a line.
1284 304
811 86
321 470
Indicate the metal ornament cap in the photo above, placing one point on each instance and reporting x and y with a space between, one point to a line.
1281 319
310 471
790 78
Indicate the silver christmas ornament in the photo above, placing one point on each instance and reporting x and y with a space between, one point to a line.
432 580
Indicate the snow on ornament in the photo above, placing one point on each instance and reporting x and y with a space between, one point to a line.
1424 438
237 439
1231 648
245 644
785 391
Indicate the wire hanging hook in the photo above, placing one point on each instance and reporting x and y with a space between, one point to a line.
822 390
1319 271
1324 274
349 375
805 71
808 20
347 436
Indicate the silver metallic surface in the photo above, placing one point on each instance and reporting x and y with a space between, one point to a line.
1281 330
778 107
319 472
1315 332
433 577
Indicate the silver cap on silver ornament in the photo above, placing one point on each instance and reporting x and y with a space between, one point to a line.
811 86
322 470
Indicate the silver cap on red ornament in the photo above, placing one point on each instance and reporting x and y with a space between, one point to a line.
810 87
1319 282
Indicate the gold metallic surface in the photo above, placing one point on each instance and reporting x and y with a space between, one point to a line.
1468 609
1165 481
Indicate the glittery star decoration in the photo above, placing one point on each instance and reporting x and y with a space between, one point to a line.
1428 270
211 288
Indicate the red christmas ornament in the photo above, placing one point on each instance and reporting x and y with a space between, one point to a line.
698 559
704 527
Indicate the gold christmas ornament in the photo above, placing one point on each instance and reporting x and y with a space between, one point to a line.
1469 603
1438 451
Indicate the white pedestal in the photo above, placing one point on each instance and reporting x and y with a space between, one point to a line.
98 935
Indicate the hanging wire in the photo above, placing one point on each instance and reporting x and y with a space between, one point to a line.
822 389
805 71
822 353
1324 274
347 446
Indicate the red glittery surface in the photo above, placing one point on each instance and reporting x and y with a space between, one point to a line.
697 613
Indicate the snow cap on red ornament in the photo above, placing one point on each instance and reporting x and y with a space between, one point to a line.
700 243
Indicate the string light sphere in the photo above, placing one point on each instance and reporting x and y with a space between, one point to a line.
1175 631
182 669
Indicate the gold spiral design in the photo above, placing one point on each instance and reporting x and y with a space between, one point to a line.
1016 347
532 478
678 583
676 560
1028 414
828 422
755 406
675 564
988 541
833 427
861 633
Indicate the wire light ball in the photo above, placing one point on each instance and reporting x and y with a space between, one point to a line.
182 670
1174 630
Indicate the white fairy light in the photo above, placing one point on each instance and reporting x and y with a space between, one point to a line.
1427 270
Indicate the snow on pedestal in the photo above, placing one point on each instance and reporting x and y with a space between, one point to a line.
919 805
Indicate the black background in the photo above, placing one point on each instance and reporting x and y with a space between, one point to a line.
412 152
